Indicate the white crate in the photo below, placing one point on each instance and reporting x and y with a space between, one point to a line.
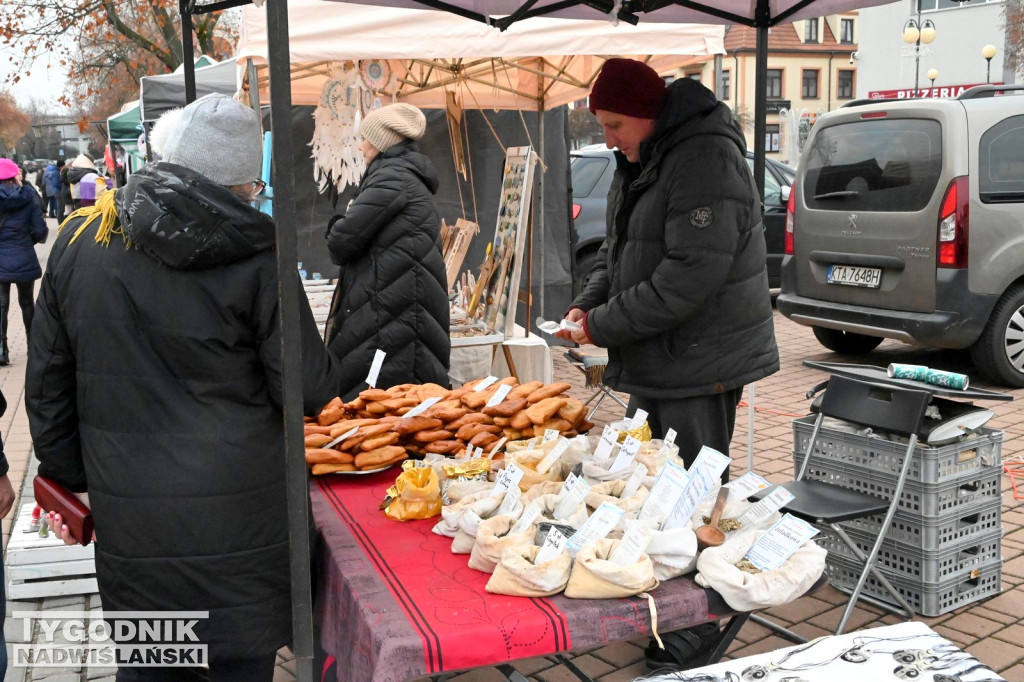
46 567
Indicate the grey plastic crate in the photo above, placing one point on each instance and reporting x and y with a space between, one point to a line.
928 500
914 563
934 534
925 598
978 454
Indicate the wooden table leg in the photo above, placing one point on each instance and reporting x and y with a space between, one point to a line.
509 361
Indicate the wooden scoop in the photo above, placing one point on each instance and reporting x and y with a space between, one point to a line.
710 535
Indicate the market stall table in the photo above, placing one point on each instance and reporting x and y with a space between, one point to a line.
394 603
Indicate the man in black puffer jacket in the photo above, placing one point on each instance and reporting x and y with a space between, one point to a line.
392 294
154 384
679 296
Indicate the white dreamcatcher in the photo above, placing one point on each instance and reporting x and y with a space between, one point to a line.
336 155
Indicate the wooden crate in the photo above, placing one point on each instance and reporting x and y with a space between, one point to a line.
46 567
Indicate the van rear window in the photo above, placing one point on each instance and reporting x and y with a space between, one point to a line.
875 165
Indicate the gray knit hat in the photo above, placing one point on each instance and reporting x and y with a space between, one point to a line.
390 125
219 138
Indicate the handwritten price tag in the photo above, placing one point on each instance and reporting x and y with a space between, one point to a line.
499 395
378 360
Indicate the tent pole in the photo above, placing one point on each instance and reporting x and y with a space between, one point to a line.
187 54
540 215
760 94
296 482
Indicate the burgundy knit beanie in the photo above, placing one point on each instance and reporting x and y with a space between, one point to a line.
628 87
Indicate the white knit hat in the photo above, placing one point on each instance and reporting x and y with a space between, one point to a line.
390 125
219 138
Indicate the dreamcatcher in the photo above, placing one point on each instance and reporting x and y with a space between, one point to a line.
336 155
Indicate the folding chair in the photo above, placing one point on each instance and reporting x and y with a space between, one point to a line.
886 408
592 365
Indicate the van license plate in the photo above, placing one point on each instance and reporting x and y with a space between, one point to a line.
855 277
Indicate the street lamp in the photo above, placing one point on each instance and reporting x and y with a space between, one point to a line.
915 33
988 52
932 75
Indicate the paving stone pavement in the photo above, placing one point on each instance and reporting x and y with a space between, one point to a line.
992 629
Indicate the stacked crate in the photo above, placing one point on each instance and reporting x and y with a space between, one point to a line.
942 550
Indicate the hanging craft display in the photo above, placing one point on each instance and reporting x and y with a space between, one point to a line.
376 74
336 155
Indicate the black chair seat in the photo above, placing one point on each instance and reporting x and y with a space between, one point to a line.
815 501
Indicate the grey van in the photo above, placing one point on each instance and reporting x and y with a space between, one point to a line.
906 221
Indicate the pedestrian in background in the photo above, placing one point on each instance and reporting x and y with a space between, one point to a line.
154 384
21 227
51 180
80 167
64 198
392 292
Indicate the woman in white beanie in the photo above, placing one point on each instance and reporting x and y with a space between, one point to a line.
154 384
392 294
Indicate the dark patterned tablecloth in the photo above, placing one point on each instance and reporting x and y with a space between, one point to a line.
394 603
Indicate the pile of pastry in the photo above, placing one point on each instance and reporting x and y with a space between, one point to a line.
480 414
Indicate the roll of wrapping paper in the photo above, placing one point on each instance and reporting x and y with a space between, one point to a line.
938 377
915 372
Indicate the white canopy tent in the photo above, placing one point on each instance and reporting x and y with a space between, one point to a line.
539 65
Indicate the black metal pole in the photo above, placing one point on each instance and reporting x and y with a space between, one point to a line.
291 359
187 55
760 93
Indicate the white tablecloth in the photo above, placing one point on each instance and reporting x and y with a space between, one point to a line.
531 355
879 666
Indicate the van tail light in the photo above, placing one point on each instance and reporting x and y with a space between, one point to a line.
953 224
576 208
790 209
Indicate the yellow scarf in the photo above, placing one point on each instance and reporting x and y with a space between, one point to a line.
106 212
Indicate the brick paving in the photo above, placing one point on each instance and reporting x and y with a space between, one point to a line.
992 630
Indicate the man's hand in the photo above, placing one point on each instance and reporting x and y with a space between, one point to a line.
57 525
575 315
6 495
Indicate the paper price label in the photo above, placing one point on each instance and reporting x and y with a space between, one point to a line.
499 395
638 419
627 454
670 437
421 408
554 544
665 493
712 461
632 546
771 503
530 515
571 499
745 486
378 360
776 546
605 445
635 479
476 453
347 434
549 434
512 496
554 453
484 383
507 479
696 488
567 483
597 526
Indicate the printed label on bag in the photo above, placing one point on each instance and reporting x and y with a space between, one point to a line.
597 526
770 504
347 434
530 515
745 486
633 484
607 442
780 542
507 478
696 488
421 408
665 493
508 504
556 451
484 383
638 420
712 461
499 395
632 546
378 360
571 499
627 454
554 544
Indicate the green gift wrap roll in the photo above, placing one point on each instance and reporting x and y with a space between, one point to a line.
915 372
946 379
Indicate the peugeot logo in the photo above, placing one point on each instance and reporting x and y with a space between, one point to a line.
851 222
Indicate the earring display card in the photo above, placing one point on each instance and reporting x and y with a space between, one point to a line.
510 239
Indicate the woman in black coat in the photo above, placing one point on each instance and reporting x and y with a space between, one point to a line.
21 227
392 293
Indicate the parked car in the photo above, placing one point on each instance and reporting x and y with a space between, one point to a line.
907 222
592 169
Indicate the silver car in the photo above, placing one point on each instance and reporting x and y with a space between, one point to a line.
906 221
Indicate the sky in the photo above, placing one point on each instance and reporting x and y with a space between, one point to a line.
45 84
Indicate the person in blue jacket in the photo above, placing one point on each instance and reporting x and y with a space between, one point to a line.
51 180
22 226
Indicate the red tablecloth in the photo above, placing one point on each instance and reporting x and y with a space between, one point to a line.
394 603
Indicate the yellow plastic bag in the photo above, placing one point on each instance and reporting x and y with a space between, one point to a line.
417 495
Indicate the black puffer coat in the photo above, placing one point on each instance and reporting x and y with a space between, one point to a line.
392 293
679 296
154 382
21 227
